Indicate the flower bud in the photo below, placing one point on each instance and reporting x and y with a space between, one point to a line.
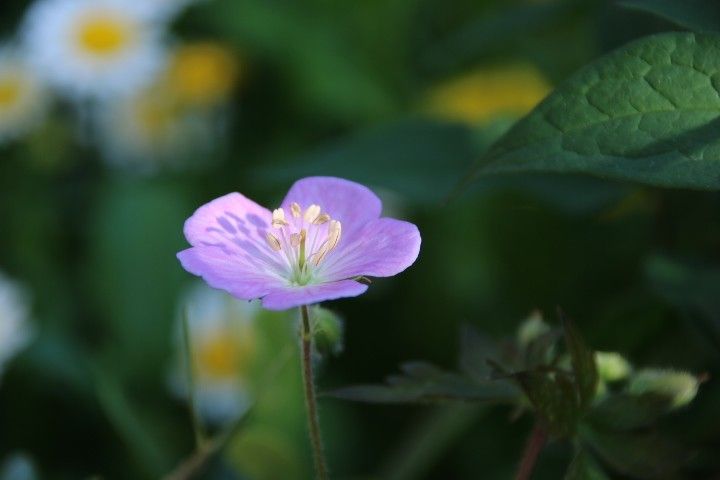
679 387
532 328
329 332
612 367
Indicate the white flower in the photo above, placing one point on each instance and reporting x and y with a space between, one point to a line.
152 130
23 99
15 331
94 48
222 340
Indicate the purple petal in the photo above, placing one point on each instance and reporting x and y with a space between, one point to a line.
291 296
351 203
383 248
238 273
230 221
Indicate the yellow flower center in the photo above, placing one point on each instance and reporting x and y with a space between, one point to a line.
102 35
224 355
203 73
10 91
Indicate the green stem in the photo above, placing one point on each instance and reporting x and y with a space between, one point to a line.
198 429
310 396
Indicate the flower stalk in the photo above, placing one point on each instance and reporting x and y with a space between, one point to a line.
535 445
306 339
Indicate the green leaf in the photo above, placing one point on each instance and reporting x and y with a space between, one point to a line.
637 455
647 112
692 14
583 467
424 383
583 362
624 411
554 397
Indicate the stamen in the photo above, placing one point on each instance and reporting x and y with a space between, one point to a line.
323 218
273 242
312 213
334 232
301 259
278 218
295 209
333 238
295 239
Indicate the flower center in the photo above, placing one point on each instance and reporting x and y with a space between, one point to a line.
101 35
303 239
203 73
223 355
10 91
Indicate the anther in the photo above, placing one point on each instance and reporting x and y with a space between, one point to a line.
295 209
278 218
312 213
322 218
273 242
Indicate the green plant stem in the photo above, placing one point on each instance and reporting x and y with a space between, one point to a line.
198 428
306 339
535 444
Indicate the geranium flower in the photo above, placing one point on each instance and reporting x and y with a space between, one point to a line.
326 236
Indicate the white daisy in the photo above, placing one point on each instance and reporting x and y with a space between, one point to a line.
15 331
94 48
152 130
223 346
23 98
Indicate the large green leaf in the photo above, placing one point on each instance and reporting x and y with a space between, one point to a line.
692 14
647 112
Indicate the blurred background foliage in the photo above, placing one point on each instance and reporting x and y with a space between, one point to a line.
402 95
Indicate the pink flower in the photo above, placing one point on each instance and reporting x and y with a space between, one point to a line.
327 233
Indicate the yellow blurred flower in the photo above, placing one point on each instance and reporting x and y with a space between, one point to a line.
486 93
223 344
202 74
23 99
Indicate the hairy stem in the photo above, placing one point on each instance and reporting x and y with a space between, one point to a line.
535 444
310 396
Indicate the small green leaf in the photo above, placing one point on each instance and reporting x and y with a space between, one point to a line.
637 455
583 467
554 397
692 14
425 383
583 362
624 411
648 112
